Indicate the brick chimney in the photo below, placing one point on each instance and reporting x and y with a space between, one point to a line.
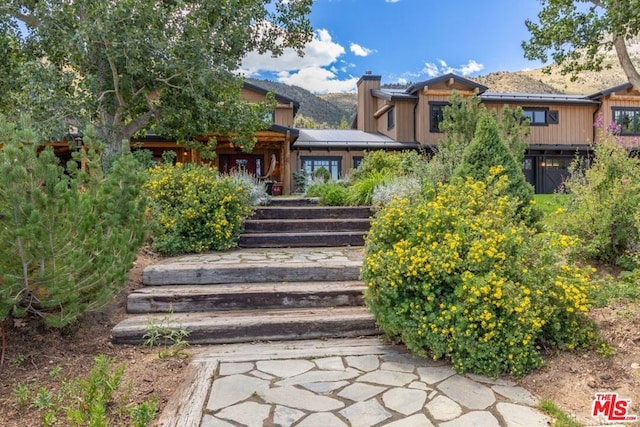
366 102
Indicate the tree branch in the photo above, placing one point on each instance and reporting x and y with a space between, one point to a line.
625 61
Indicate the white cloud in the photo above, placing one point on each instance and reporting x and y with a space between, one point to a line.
432 70
318 80
316 71
320 52
358 50
391 1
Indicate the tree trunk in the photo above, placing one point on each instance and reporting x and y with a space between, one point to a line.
625 61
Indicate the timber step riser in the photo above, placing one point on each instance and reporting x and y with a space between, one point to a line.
182 299
306 225
301 240
276 325
168 274
312 212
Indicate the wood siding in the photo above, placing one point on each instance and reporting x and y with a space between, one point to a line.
630 99
367 103
574 127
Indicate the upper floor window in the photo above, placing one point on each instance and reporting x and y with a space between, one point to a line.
540 116
391 120
436 115
627 120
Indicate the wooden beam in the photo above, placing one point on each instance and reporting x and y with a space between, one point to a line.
447 92
386 107
617 97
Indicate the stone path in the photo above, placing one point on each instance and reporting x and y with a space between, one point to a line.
346 382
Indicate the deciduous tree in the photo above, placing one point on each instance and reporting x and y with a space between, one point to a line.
128 66
576 35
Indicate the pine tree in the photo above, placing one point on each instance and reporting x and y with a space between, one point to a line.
488 149
68 237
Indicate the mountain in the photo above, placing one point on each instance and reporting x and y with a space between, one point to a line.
331 108
311 106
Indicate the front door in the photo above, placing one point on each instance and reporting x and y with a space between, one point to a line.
249 163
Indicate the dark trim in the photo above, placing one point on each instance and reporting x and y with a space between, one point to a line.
418 86
433 128
623 109
603 93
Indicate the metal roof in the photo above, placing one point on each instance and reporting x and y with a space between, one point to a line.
541 98
348 138
393 94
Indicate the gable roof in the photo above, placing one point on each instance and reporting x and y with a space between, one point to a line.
606 92
444 78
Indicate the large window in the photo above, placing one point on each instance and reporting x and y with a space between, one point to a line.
540 116
331 163
436 115
627 120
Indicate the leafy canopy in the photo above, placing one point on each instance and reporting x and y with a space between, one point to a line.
576 34
131 65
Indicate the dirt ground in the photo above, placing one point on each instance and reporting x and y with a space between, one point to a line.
33 353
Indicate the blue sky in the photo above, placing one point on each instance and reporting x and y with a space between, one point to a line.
403 41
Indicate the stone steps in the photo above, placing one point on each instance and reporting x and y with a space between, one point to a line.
180 299
253 325
305 225
303 283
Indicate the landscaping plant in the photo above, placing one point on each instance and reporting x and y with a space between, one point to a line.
455 274
195 209
69 237
603 206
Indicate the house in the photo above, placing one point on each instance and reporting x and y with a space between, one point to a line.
562 126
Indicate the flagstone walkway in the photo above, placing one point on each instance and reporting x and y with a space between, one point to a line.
345 382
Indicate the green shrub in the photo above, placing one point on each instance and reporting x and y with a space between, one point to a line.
322 174
455 274
193 209
361 190
487 150
68 237
603 207
329 194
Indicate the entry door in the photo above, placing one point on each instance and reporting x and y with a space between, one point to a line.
249 163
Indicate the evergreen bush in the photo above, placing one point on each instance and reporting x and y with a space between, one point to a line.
68 237
486 151
456 275
331 193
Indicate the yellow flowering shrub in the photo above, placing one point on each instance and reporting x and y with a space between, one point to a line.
455 275
194 209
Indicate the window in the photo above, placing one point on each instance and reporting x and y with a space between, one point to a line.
391 118
541 116
436 115
357 161
627 120
332 164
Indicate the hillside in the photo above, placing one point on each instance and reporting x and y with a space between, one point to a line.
315 107
332 107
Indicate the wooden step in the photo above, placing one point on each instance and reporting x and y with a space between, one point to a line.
293 201
179 299
311 212
255 325
301 240
306 225
208 274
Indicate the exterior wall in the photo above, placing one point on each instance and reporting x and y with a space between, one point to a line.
403 121
283 114
629 99
423 120
574 127
367 103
